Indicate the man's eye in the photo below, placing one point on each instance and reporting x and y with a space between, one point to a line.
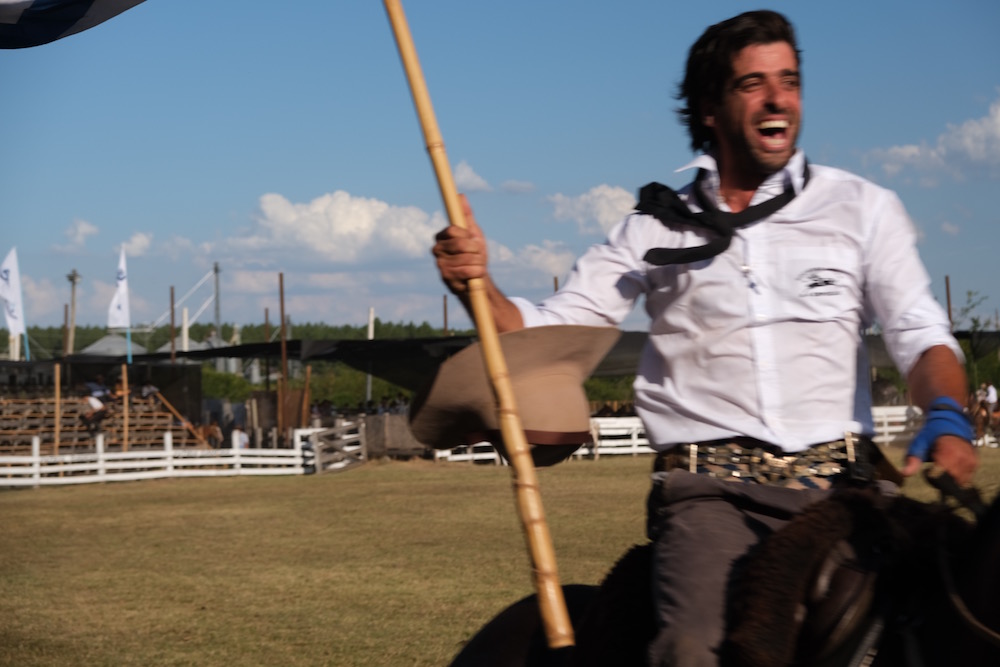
790 82
749 85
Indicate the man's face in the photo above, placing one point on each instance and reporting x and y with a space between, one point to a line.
757 121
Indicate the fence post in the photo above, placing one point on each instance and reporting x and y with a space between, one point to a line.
234 444
99 447
298 450
36 459
168 449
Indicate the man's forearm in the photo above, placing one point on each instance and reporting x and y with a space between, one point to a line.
506 316
937 373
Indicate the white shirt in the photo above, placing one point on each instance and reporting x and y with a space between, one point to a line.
991 394
763 340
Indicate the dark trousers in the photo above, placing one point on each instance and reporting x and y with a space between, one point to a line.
702 527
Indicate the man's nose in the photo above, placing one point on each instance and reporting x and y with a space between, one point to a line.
772 92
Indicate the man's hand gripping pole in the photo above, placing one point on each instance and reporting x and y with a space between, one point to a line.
555 617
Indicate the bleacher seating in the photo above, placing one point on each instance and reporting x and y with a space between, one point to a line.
23 418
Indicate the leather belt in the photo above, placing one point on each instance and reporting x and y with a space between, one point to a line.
749 460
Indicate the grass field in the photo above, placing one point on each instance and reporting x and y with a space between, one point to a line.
387 564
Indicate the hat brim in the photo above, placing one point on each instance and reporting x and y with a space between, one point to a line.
547 367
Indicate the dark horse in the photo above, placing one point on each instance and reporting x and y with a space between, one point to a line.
858 579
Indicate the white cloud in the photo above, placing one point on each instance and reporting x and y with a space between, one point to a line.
99 301
42 297
77 233
531 265
138 245
604 205
178 247
551 258
251 282
335 227
517 187
467 180
974 144
950 228
331 280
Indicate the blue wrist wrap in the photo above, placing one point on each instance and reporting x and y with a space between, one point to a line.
944 417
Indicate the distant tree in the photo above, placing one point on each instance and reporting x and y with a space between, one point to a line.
609 389
224 385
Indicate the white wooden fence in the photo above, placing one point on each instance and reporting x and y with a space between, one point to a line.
326 450
309 453
626 436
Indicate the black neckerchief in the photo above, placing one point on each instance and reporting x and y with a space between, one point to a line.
663 204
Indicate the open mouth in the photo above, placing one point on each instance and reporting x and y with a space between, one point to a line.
774 133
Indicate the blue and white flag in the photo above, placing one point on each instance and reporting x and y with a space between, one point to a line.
118 312
25 23
10 292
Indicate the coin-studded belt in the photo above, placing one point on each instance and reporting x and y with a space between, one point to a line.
748 460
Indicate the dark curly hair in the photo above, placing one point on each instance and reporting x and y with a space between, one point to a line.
710 64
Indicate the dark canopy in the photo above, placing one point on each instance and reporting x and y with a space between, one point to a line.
411 362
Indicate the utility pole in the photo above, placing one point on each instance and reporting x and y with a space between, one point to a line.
267 359
371 336
220 363
173 330
74 278
65 330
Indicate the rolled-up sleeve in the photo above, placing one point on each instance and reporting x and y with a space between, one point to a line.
899 288
603 287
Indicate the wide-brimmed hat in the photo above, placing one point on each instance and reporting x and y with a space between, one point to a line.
547 367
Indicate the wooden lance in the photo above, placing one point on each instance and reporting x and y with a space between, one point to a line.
555 617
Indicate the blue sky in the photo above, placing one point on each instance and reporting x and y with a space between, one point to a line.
282 138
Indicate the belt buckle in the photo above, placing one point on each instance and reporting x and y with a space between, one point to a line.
859 467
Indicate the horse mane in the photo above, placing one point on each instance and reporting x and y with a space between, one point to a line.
776 617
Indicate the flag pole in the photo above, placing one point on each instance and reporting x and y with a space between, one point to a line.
555 617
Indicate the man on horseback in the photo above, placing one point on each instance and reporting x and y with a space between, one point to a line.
758 277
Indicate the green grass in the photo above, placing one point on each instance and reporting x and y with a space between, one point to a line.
386 564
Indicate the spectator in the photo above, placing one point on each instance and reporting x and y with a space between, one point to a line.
242 440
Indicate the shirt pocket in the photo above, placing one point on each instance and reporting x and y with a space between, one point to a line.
819 283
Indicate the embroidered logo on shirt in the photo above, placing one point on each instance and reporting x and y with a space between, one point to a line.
819 282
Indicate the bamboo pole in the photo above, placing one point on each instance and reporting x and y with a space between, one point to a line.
555 617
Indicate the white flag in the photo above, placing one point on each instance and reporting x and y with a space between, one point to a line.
10 292
118 313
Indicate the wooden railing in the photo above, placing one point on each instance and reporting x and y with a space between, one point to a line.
329 449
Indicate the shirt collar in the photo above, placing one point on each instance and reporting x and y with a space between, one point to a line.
773 185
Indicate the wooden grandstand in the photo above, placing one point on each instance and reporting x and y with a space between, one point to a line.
58 425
